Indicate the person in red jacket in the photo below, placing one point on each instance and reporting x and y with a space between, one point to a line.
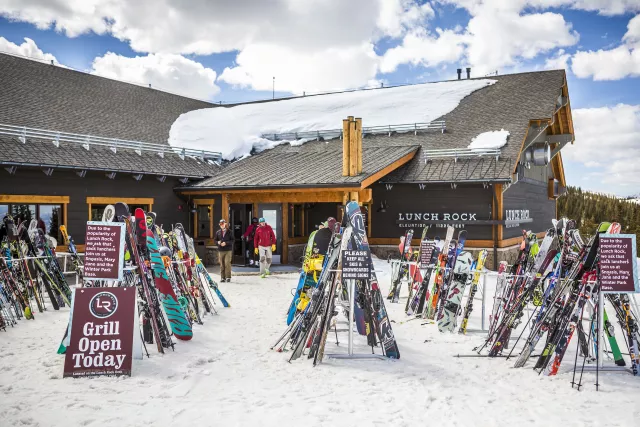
264 243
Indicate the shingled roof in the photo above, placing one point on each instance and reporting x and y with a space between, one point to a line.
508 104
44 96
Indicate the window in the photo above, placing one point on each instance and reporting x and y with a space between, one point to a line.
297 220
49 216
98 204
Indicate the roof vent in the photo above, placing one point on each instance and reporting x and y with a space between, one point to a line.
468 73
459 73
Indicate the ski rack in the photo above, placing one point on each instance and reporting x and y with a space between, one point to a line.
438 125
24 133
350 354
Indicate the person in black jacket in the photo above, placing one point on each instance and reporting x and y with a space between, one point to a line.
224 239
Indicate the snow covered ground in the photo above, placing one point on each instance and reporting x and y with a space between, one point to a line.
235 131
227 376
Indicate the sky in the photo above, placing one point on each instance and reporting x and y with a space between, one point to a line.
232 51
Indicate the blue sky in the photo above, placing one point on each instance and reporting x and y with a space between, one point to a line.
230 51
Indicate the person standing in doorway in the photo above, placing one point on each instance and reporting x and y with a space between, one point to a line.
248 236
264 243
224 239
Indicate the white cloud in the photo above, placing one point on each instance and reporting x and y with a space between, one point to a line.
28 49
603 7
611 130
296 71
559 61
398 16
421 48
168 72
613 64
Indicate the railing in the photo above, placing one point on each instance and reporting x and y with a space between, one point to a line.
438 125
460 153
87 141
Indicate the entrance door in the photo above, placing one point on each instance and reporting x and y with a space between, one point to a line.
272 213
239 220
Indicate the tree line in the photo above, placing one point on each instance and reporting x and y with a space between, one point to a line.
589 209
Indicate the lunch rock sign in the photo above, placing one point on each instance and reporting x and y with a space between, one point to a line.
101 332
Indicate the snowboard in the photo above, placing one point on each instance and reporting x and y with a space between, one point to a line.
451 305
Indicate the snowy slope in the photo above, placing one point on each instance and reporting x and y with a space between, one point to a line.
235 131
227 376
493 139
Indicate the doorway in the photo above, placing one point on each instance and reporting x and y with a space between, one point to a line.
239 219
272 213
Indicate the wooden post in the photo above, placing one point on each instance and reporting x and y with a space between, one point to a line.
353 148
284 252
195 223
225 206
345 147
359 146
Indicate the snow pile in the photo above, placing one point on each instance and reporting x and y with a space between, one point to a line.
493 139
235 131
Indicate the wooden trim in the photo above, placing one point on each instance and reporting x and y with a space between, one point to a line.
195 224
128 200
387 170
65 248
369 208
510 242
365 196
65 208
396 241
550 189
42 200
284 259
203 202
345 147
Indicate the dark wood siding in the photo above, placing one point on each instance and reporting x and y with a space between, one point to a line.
168 206
434 198
532 196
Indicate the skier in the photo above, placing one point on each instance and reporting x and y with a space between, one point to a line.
224 239
248 237
264 243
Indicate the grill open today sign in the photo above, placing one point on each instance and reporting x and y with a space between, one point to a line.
102 331
618 263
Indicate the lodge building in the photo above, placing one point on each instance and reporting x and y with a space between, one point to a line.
73 143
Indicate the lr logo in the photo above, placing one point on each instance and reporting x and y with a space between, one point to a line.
103 305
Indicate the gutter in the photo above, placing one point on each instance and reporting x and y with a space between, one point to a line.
269 187
88 168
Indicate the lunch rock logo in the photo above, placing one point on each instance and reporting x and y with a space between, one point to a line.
103 305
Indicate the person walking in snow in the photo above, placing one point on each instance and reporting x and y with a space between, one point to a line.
248 237
264 243
224 239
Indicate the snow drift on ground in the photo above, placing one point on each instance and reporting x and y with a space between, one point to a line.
228 376
493 139
235 131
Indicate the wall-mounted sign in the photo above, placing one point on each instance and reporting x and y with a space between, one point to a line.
438 220
102 332
618 263
514 217
356 265
104 250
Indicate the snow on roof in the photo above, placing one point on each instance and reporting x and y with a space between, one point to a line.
493 139
235 131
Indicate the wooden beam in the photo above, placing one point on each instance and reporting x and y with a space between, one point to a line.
497 188
320 197
359 145
195 224
203 201
369 208
345 147
387 170
284 259
211 221
271 190
365 196
14 198
65 209
353 148
298 240
128 200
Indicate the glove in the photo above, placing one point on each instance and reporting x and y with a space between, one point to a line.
255 251
273 248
